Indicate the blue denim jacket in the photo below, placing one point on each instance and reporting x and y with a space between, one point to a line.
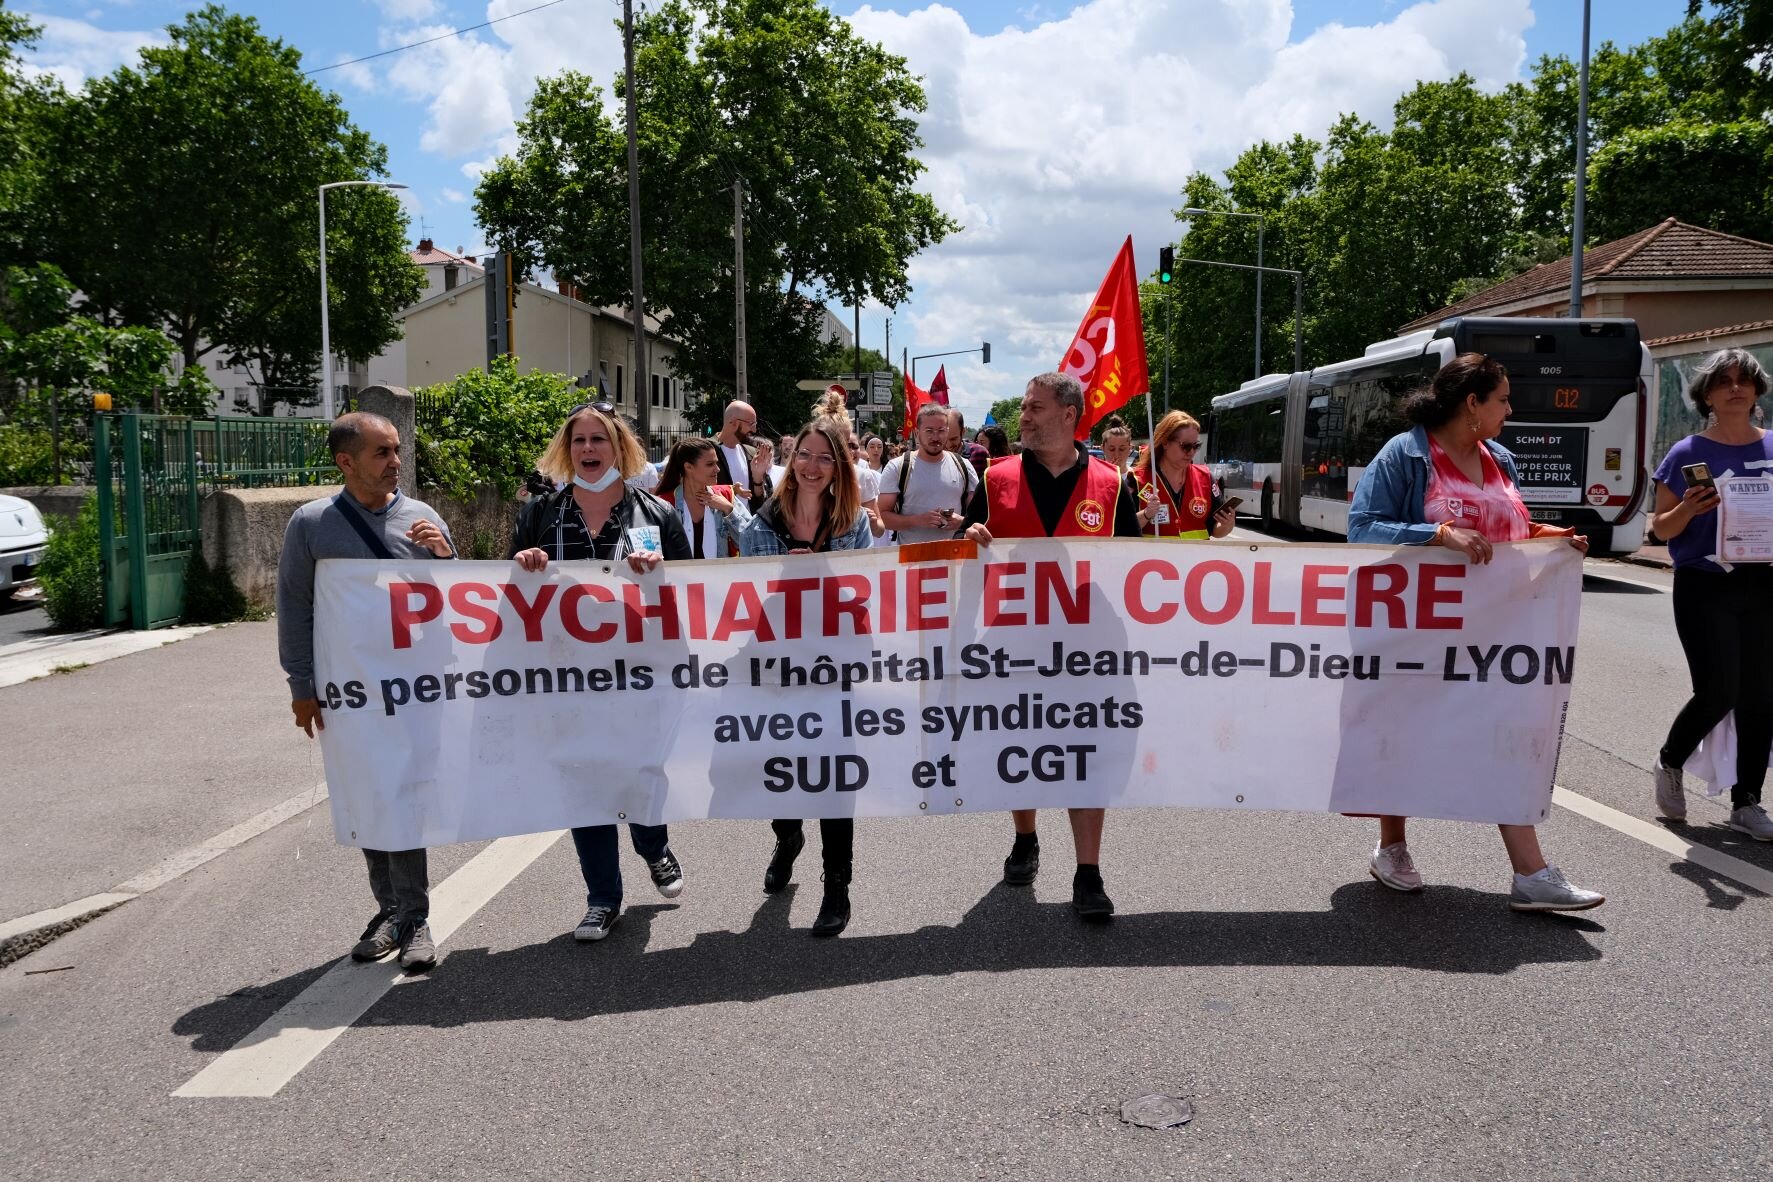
1388 501
761 538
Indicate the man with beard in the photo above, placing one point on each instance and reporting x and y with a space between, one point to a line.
1054 489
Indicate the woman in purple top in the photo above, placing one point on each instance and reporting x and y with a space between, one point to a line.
1724 617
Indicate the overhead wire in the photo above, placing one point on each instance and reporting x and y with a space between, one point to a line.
433 40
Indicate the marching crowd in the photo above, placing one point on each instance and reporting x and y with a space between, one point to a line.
1444 482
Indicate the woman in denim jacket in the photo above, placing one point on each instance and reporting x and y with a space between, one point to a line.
1446 483
816 509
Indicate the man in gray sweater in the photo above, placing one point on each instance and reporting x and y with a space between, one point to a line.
370 519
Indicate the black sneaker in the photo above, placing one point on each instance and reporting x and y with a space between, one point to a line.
781 868
1023 863
381 937
667 875
1089 898
596 924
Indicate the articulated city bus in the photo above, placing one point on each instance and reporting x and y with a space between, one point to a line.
1294 445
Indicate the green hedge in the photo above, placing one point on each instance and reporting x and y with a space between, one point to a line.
72 573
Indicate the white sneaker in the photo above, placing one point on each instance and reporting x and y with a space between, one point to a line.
1671 791
1752 819
1549 890
1392 866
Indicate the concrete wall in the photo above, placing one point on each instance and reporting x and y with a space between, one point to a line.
395 403
244 529
53 500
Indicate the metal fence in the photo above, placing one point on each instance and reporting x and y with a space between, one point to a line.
250 452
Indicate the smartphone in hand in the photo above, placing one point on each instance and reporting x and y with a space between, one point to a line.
1698 474
1231 503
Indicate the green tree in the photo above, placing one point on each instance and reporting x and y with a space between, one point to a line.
1717 175
1008 413
25 106
183 195
819 124
493 427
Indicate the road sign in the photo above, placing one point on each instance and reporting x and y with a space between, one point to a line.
881 388
822 384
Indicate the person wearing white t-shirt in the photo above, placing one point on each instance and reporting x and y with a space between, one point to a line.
924 493
736 428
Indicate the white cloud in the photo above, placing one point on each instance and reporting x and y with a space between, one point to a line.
1049 142
75 50
454 196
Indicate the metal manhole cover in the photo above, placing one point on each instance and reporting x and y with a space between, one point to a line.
1157 1112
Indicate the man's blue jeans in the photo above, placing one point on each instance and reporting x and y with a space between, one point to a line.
600 862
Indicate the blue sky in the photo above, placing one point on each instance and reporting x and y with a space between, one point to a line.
1015 152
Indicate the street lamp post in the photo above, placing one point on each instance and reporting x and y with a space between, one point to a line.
1261 223
325 309
1298 301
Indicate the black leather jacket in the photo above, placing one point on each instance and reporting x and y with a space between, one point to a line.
538 518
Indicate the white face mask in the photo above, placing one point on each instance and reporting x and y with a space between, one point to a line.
609 477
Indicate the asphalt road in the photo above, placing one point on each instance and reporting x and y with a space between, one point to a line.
1321 1026
22 617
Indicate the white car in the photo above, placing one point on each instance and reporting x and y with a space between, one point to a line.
23 539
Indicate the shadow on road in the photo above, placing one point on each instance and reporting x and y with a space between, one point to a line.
1445 929
1609 586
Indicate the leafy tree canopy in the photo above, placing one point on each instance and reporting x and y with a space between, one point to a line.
183 194
819 124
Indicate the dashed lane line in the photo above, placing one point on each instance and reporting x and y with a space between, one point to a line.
262 1062
1746 873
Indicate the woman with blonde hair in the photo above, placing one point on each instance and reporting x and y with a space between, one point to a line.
708 511
1178 498
816 510
597 516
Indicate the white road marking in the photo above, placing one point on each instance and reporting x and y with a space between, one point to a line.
92 904
187 860
262 1062
1745 873
165 871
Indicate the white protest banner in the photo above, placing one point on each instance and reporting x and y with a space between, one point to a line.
470 700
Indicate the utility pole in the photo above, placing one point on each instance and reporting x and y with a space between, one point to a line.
643 417
739 283
1577 232
858 336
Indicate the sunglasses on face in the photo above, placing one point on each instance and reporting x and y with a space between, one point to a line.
1189 448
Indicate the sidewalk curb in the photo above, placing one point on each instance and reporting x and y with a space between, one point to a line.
22 936
46 927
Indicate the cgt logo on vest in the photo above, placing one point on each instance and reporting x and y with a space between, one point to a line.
1090 515
1198 507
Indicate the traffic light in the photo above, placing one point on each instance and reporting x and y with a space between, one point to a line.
1166 264
986 350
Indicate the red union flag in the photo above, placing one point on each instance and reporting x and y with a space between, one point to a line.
939 387
1108 353
914 398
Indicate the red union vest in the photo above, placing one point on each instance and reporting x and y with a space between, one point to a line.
1190 518
1089 513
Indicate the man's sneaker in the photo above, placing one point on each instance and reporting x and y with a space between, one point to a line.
419 951
780 871
1393 866
1671 791
1549 890
1752 819
381 937
1023 863
1089 898
596 924
667 875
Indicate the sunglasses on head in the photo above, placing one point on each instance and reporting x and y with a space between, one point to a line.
602 408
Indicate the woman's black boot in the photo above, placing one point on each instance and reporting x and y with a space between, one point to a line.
834 912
